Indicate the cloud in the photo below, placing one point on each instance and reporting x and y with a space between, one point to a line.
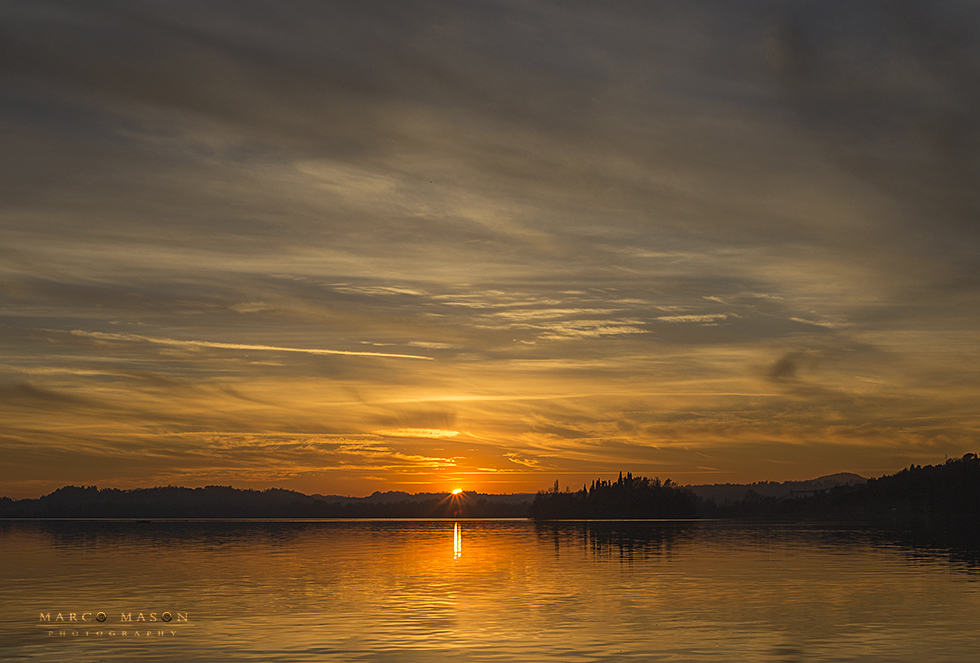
251 307
105 336
521 315
574 329
785 367
629 231
26 395
427 433
708 317
522 459
888 88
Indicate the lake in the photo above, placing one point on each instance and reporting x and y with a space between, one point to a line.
480 590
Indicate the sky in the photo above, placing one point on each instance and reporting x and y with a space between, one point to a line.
341 247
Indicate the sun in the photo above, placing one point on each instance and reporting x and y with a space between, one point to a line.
457 491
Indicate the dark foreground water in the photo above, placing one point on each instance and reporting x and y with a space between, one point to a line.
480 591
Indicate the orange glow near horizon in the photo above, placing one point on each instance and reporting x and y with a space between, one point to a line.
457 491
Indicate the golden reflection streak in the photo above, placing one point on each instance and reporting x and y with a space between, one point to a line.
457 542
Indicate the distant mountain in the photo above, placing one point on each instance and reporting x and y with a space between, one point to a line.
726 493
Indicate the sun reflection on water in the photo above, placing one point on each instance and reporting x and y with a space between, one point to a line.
695 591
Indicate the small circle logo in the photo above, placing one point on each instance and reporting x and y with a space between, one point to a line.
101 617
167 616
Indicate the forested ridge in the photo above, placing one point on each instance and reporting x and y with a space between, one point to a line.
627 497
917 494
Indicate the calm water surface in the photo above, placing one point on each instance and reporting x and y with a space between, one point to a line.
480 591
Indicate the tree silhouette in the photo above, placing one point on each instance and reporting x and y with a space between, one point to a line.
626 498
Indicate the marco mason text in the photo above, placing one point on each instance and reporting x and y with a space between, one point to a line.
96 623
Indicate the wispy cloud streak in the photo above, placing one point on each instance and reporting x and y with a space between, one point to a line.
105 336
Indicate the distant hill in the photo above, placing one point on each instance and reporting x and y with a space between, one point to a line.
394 496
726 493
946 494
228 502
